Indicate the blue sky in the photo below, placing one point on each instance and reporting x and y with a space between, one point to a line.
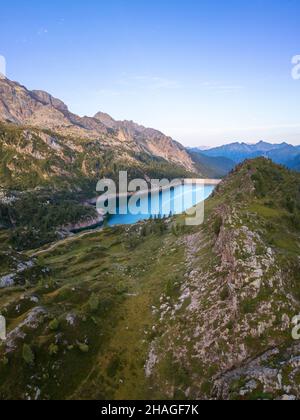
205 72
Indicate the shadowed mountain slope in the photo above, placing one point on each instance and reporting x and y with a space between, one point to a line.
280 153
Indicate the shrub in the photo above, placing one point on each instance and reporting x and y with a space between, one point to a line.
161 226
217 225
225 293
230 325
4 361
248 306
177 229
133 241
172 286
53 325
206 387
84 348
53 349
28 355
144 231
295 221
93 303
259 184
290 204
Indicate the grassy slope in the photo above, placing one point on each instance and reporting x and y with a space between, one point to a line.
128 278
140 276
242 288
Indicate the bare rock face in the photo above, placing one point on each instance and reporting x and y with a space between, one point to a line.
106 119
149 140
88 223
47 99
39 109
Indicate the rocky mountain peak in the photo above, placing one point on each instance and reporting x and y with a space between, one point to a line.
46 99
106 119
39 109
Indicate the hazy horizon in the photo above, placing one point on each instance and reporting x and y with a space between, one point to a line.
209 144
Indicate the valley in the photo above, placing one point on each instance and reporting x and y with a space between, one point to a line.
149 203
180 312
146 308
51 161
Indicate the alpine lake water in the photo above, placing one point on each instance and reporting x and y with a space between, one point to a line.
163 203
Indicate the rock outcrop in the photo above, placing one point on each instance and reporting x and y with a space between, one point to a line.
232 319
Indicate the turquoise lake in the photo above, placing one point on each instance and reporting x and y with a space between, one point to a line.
164 203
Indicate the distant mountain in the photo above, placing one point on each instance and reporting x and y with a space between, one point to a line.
295 164
198 149
238 152
284 155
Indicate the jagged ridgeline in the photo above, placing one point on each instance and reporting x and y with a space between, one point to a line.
51 160
82 146
161 310
35 158
46 144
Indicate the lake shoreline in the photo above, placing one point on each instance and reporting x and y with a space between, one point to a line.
187 181
69 235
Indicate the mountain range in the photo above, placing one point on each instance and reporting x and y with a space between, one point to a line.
39 109
284 153
154 310
52 159
42 116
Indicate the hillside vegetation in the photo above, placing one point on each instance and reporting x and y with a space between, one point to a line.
35 158
161 310
46 180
